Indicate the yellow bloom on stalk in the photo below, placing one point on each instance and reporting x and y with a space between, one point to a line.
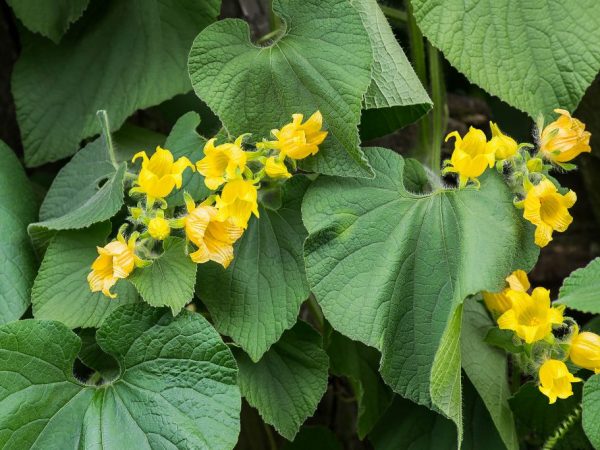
159 228
531 316
276 169
504 146
547 209
296 139
556 380
565 138
471 155
115 260
500 302
159 174
214 238
238 200
585 351
222 162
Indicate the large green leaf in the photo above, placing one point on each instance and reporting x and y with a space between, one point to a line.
61 291
49 18
390 267
395 96
322 61
87 190
122 56
360 364
580 290
169 280
536 55
591 410
288 382
259 295
486 367
18 208
177 387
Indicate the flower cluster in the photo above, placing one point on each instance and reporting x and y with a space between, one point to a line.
233 171
526 168
543 339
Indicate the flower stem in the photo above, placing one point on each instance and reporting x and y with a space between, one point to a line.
439 115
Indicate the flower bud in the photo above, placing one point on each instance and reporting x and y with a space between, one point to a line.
159 228
564 139
585 351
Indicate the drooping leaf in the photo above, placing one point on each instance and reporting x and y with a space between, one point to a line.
61 291
260 293
536 56
321 61
18 208
87 190
169 280
580 290
360 364
487 369
122 56
48 18
390 267
591 410
395 96
184 140
177 387
288 382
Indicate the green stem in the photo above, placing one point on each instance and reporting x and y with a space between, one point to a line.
563 429
417 56
515 375
94 379
105 126
270 437
269 35
394 14
315 311
439 115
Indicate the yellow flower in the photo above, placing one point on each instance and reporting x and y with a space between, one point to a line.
504 146
214 238
159 228
238 200
159 174
276 169
471 155
547 209
565 138
223 162
555 380
115 260
585 351
531 316
500 302
296 139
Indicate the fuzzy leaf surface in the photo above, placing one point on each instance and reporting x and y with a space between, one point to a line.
580 290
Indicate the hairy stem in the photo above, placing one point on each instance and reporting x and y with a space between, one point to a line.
439 115
562 429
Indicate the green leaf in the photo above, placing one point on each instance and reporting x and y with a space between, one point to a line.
395 96
532 55
18 207
169 280
591 410
61 291
92 355
321 61
580 290
185 141
87 190
504 339
360 364
258 297
130 139
406 425
487 368
177 387
537 420
288 382
315 437
48 18
389 267
122 56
